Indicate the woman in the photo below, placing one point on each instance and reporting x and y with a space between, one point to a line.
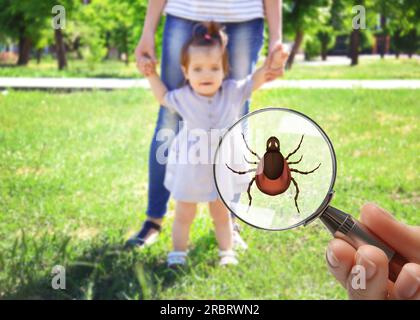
244 23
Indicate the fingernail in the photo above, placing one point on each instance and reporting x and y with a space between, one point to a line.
332 259
367 264
410 287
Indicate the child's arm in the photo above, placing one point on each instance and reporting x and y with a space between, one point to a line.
148 68
275 61
158 88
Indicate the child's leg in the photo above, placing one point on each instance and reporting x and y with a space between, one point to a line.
184 215
222 223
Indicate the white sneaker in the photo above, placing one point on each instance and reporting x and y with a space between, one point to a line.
227 257
176 258
238 242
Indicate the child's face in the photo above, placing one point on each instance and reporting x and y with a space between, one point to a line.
205 70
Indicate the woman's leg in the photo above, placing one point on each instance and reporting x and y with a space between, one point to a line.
176 32
184 216
245 42
222 223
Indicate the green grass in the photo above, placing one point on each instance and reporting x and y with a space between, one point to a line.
389 68
76 69
73 186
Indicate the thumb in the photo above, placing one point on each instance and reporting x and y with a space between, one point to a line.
152 54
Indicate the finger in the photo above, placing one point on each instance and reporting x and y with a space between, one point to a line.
152 55
139 67
277 47
268 60
407 286
404 239
368 279
340 259
274 73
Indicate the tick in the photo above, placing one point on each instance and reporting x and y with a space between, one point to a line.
273 174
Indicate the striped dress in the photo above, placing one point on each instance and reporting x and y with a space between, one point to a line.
216 10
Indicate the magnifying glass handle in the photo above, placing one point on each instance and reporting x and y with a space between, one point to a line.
344 226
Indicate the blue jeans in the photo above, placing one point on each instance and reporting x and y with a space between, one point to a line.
245 42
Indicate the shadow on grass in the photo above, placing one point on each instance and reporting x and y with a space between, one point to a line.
109 271
8 65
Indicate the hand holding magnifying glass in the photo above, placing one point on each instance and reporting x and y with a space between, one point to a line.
269 183
343 258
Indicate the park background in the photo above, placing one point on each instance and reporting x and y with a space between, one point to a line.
73 163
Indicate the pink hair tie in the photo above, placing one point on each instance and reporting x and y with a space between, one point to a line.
207 36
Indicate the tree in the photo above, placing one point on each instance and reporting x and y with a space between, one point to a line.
28 21
404 27
326 38
109 23
301 16
353 18
14 23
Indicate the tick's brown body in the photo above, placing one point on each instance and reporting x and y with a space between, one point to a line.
273 174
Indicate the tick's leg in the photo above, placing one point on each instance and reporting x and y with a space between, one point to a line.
250 162
295 162
305 172
297 194
249 192
294 151
253 152
241 172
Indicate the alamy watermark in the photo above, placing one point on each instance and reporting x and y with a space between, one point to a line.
198 146
59 277
59 20
358 280
359 20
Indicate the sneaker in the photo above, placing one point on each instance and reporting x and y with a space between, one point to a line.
140 239
238 242
176 259
227 257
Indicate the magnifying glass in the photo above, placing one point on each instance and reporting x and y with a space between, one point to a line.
275 169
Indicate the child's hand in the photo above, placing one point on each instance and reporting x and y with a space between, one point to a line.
276 62
146 66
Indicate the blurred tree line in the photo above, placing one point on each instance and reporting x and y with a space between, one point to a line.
315 25
96 29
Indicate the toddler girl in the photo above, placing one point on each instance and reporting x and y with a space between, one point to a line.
207 102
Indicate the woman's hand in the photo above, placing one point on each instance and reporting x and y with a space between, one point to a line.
145 49
276 61
342 258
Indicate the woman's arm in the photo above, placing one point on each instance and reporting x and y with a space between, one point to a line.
146 45
273 13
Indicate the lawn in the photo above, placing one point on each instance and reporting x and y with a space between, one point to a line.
73 187
389 68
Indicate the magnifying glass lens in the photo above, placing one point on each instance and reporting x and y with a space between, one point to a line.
274 168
